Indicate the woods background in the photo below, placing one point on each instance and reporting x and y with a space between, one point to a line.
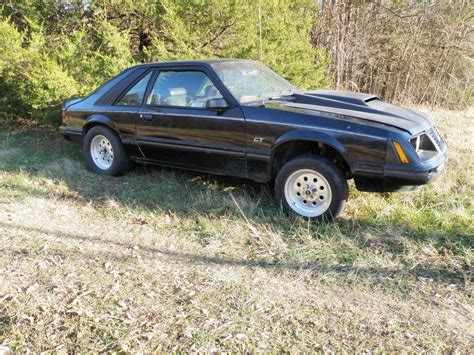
409 52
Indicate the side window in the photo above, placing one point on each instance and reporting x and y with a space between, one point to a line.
183 89
134 95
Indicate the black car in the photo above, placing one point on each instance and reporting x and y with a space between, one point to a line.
237 117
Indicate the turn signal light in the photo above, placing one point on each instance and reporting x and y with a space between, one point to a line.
400 152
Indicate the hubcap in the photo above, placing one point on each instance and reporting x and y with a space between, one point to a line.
308 193
102 152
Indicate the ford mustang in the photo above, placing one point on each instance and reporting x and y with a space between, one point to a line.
239 118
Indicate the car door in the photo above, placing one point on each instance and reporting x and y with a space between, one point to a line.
176 128
124 109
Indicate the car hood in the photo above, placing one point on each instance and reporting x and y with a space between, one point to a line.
366 107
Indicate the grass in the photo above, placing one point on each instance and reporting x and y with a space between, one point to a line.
162 259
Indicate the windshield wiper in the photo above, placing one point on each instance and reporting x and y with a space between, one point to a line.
270 96
285 93
252 98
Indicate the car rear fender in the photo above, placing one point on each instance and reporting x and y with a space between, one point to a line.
98 119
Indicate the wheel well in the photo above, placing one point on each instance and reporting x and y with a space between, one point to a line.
88 127
289 150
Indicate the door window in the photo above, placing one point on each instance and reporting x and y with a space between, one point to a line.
182 89
134 96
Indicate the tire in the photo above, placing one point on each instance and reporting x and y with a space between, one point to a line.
311 187
104 152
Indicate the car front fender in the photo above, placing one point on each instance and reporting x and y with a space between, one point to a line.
311 136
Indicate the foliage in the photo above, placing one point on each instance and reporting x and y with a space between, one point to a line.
61 49
29 77
417 53
230 30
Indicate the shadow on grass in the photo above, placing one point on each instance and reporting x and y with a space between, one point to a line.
187 194
436 274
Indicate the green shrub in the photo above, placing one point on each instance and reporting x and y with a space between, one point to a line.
230 29
32 82
56 50
36 75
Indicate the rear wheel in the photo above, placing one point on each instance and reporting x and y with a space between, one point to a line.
311 187
104 152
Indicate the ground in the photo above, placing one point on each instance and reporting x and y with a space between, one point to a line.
163 259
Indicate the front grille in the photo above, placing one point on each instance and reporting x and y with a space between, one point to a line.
437 139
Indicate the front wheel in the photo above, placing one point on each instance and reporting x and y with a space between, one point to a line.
104 152
311 187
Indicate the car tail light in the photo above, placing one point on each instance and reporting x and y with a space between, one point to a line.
401 153
64 116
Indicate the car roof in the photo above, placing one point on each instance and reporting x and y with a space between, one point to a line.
206 62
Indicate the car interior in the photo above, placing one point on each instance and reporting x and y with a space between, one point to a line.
183 89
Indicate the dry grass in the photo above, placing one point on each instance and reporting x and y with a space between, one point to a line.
163 259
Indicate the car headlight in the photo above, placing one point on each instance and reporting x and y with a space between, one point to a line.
427 145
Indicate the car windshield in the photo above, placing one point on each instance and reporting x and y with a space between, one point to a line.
251 81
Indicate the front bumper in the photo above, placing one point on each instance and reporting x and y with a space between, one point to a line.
399 180
398 177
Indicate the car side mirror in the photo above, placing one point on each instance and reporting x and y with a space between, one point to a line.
218 103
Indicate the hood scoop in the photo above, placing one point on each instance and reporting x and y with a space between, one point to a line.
353 98
338 100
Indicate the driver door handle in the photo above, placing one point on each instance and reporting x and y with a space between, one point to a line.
146 117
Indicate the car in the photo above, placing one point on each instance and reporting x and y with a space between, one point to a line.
239 118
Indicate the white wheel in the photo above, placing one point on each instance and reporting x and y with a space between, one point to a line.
308 193
312 187
102 152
